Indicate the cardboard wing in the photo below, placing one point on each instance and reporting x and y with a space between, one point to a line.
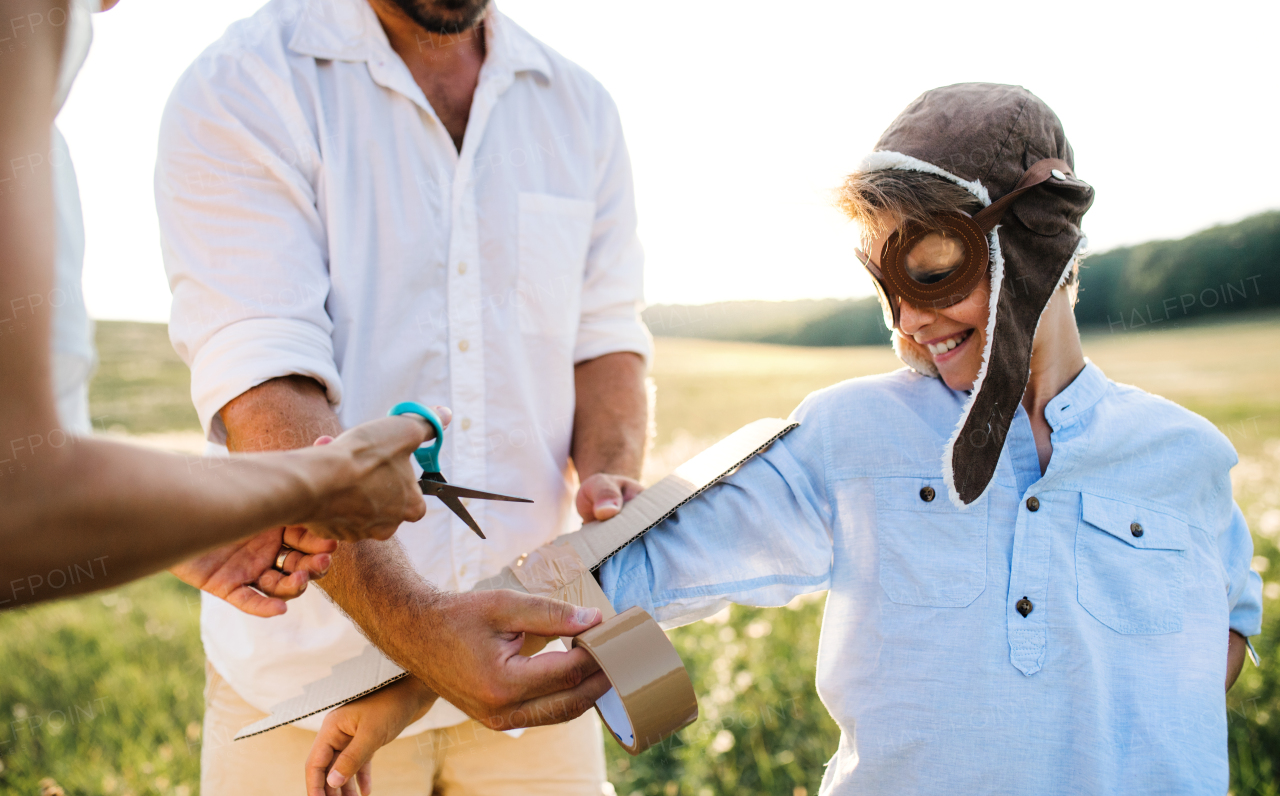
562 570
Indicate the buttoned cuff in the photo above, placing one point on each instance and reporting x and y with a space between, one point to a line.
1246 614
611 336
247 353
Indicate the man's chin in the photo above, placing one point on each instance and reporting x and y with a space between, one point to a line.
444 18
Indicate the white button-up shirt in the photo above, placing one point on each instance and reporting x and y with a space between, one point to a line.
318 220
1064 634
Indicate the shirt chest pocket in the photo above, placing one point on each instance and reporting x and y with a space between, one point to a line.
555 234
931 553
1129 566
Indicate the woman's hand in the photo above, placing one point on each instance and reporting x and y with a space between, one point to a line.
364 486
244 573
342 754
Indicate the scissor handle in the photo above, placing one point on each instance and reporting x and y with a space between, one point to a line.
427 456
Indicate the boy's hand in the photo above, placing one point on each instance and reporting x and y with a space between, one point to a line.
352 733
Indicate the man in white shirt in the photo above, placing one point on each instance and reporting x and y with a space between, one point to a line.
363 202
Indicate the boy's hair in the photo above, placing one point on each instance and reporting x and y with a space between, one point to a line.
874 199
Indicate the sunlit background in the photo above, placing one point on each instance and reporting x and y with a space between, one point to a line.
741 117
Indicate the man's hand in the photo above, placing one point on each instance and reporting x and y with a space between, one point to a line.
475 662
602 495
243 573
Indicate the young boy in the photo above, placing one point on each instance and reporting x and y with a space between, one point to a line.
1058 608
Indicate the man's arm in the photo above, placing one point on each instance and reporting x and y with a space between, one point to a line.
465 647
610 425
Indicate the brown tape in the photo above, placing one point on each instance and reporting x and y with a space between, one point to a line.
652 696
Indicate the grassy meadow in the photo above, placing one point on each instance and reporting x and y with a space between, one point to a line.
102 694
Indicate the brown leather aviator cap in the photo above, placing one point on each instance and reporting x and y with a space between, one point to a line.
986 137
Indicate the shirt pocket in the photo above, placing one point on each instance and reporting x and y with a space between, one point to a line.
1129 566
555 233
931 553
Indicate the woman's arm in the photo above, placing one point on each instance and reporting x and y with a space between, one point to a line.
83 514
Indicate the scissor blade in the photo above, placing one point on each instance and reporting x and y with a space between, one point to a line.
456 506
466 492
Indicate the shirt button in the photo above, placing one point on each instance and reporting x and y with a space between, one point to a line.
1135 529
927 494
1033 504
463 345
1024 606
466 424
462 268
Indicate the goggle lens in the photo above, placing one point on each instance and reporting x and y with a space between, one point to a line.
934 257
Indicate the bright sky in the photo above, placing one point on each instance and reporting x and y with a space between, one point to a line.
741 116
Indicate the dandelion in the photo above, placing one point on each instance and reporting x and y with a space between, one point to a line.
723 742
1269 525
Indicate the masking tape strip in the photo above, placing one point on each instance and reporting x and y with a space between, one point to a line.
648 705
598 541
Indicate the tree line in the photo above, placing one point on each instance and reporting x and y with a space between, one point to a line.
1219 271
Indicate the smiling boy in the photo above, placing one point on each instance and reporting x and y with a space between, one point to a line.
1058 607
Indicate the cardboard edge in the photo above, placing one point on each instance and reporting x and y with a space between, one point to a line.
244 731
787 429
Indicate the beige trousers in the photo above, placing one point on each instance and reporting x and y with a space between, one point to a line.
465 760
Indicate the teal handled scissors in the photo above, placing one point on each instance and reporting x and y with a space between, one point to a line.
432 482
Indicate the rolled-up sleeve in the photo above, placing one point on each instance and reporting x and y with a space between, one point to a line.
760 537
613 280
243 242
1244 586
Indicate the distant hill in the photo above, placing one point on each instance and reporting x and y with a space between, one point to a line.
811 322
1224 269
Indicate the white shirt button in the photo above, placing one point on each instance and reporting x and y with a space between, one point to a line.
463 345
466 424
462 268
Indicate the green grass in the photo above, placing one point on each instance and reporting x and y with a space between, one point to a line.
141 386
133 656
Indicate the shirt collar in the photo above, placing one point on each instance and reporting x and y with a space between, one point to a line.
349 30
1078 397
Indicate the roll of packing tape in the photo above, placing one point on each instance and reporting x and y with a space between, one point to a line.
652 696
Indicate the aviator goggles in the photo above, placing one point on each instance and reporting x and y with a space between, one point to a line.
940 264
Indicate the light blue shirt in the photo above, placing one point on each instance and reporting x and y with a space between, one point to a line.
1135 563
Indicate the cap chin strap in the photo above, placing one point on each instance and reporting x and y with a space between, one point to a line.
1040 171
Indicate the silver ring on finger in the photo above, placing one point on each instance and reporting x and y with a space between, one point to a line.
282 556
